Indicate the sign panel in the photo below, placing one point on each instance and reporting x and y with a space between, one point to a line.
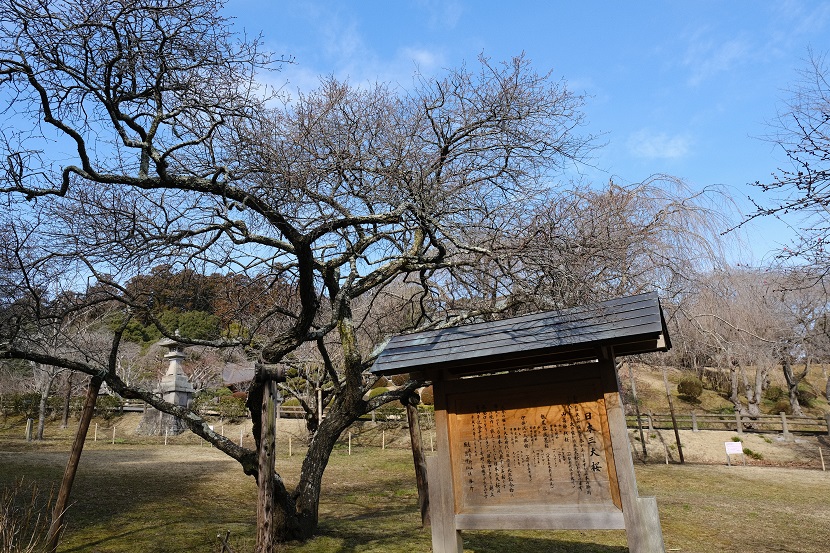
734 448
532 446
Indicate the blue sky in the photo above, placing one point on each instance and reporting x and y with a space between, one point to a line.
684 88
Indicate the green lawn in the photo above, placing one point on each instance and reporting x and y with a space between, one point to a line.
155 498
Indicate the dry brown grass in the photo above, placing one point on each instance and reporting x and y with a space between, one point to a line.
155 498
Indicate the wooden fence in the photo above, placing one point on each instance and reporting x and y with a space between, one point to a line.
285 411
781 423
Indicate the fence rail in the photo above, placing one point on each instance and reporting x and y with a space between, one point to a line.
285 411
781 423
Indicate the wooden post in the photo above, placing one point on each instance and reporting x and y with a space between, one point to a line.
694 422
650 425
637 411
739 423
821 456
62 499
241 436
96 433
67 398
673 419
642 521
418 457
113 435
165 436
784 429
350 443
383 439
445 537
266 538
29 430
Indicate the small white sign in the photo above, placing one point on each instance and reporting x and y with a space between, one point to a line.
734 448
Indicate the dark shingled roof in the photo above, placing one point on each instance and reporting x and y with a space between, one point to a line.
632 325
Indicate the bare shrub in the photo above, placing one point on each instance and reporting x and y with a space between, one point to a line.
24 518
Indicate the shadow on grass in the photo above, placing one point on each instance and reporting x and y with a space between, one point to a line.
125 496
500 542
109 538
372 518
341 537
138 500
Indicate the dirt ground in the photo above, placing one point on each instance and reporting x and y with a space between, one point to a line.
704 447
708 447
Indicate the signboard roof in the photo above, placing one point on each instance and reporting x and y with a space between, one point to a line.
631 325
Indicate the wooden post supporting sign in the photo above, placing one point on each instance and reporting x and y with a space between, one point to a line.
266 538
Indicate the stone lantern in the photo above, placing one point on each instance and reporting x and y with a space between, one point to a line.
174 388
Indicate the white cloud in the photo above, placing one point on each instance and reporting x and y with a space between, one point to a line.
337 42
795 20
658 145
425 60
707 57
442 14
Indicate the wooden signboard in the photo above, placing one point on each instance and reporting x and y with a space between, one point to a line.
526 446
535 450
530 429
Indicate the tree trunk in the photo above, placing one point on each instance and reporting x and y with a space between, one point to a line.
66 400
733 396
827 381
266 489
753 392
296 514
418 457
673 418
793 380
72 465
637 411
44 399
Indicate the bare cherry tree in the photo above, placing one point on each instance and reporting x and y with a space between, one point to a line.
166 151
728 315
589 244
751 322
800 188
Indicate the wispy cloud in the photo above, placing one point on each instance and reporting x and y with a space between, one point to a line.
658 145
442 14
706 56
337 39
425 60
796 20
782 33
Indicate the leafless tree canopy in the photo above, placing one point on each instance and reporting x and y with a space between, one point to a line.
740 324
137 135
801 189
587 245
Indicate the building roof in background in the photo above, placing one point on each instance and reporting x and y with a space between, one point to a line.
235 373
